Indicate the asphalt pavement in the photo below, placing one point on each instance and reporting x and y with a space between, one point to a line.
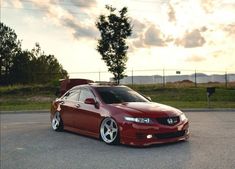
28 142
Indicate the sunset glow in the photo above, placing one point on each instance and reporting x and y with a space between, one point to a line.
171 34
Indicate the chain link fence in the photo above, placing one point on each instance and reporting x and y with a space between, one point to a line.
164 77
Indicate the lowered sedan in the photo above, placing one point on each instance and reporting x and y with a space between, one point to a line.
117 114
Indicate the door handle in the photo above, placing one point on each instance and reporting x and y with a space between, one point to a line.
77 105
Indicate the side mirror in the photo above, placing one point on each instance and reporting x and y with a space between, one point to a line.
92 102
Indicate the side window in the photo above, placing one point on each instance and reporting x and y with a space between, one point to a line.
73 96
66 95
84 94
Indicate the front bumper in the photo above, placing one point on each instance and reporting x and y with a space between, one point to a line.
136 134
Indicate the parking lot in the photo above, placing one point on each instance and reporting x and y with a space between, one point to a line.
28 142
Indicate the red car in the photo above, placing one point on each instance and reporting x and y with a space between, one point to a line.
117 114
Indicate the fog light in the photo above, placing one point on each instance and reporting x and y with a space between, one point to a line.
149 136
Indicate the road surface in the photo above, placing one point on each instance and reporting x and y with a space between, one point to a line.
28 142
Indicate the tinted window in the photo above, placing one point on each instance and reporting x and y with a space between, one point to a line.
84 94
71 95
119 94
67 94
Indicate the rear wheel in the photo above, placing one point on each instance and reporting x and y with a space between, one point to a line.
109 131
57 123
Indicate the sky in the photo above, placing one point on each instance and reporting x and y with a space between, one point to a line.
167 34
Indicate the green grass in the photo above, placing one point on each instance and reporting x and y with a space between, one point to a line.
25 106
26 97
23 90
199 104
25 102
38 97
189 96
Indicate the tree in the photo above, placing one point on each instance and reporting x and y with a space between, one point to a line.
22 68
47 67
114 30
36 67
25 67
9 47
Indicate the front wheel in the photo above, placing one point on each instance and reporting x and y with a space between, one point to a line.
57 123
109 131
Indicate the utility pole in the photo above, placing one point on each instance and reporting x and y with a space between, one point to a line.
163 77
99 75
195 78
132 77
226 80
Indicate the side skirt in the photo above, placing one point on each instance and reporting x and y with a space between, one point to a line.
87 133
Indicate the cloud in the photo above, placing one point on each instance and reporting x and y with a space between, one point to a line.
230 28
192 39
218 53
139 43
151 37
61 15
195 58
84 3
85 32
209 5
15 3
138 28
81 8
79 30
203 29
171 14
154 37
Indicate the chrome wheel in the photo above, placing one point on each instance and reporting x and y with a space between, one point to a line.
109 131
56 122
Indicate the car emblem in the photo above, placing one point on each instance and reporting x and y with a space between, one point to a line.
170 121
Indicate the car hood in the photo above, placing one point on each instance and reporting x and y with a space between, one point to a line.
148 109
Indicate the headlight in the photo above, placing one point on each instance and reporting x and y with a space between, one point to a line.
137 120
183 117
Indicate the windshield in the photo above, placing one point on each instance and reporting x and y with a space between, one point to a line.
112 95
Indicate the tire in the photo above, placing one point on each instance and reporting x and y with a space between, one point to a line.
109 132
57 123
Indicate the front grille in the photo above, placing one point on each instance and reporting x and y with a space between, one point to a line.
169 121
170 135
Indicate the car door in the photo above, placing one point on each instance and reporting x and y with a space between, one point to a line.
68 109
88 115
